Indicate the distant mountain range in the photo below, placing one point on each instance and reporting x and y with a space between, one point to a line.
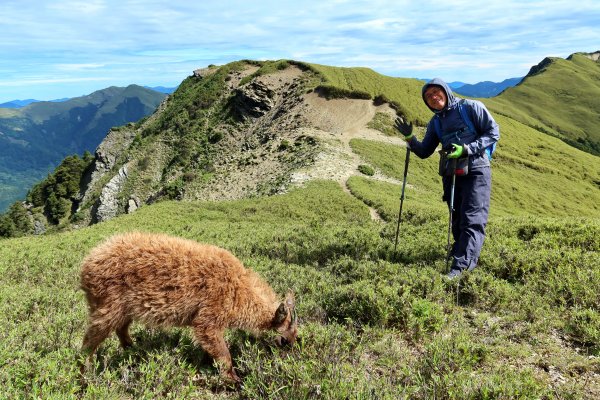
486 88
162 89
23 103
36 137
482 89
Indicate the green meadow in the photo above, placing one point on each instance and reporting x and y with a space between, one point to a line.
374 323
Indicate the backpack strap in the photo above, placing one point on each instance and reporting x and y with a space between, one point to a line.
465 117
437 127
462 109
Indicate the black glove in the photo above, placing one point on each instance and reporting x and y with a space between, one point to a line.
403 127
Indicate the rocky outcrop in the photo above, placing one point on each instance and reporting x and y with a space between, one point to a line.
254 99
106 157
541 67
595 56
204 72
108 203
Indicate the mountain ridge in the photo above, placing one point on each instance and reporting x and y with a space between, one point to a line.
558 97
251 128
35 138
253 104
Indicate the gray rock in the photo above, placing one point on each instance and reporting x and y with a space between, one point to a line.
39 228
254 99
108 204
133 204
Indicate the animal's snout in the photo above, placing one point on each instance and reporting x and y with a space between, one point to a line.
285 342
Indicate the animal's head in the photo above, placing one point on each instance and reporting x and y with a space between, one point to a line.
285 321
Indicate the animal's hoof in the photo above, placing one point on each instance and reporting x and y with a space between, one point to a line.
232 376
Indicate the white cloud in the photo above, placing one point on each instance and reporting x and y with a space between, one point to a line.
157 40
78 67
46 81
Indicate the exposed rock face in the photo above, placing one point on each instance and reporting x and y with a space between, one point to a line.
254 99
593 56
39 228
108 204
106 156
536 69
202 72
133 204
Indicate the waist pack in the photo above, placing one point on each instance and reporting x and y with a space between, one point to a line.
448 166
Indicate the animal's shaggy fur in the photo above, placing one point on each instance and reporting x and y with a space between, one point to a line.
169 281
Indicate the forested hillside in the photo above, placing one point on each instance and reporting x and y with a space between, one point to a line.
35 138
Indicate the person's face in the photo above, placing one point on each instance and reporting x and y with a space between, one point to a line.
435 97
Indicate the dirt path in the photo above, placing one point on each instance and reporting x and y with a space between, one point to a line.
336 122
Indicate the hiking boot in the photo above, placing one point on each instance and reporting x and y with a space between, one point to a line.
454 274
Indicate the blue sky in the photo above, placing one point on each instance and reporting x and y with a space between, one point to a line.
68 48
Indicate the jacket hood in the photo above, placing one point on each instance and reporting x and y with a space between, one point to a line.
450 96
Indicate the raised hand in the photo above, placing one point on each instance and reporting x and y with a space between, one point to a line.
405 128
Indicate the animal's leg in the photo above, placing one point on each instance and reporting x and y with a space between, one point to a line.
123 334
214 344
102 322
96 333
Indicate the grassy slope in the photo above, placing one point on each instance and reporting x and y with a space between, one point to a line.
370 326
404 91
533 173
374 324
563 100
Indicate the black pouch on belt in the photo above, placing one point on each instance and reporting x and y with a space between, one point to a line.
447 164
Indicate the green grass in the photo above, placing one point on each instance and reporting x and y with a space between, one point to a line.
384 123
404 93
533 174
373 324
562 101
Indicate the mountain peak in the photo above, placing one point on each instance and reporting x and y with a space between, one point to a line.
541 66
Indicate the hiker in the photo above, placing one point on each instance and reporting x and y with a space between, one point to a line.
468 134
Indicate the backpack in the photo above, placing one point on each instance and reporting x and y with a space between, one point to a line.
465 117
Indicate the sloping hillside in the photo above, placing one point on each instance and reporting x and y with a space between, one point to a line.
560 97
263 159
34 139
248 129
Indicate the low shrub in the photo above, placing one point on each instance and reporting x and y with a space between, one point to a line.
366 169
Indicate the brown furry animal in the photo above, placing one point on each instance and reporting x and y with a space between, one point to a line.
169 281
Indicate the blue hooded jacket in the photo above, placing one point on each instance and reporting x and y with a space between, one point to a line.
487 129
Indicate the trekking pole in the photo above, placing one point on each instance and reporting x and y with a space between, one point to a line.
406 159
451 211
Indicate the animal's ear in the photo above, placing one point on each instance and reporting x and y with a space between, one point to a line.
280 315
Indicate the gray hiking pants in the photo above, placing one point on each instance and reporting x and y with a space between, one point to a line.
471 206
